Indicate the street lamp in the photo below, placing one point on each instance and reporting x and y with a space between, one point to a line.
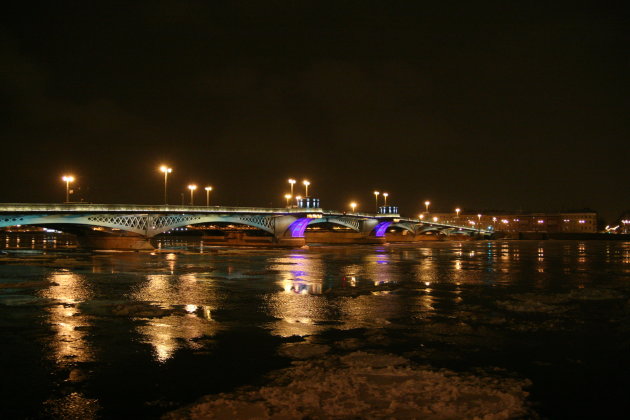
479 217
192 189
297 200
166 171
208 189
435 219
288 197
67 179
306 184
385 195
426 205
292 182
376 193
421 216
353 205
457 210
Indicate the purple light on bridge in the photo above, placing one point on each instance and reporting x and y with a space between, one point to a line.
379 230
298 227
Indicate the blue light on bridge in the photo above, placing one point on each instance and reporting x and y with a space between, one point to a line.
379 230
298 227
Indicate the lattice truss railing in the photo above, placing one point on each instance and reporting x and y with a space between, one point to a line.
151 225
165 223
264 222
160 223
134 223
350 222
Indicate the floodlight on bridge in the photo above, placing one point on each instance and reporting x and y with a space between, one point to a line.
292 182
192 188
67 179
208 189
166 170
306 184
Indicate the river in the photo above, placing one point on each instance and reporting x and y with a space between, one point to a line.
526 328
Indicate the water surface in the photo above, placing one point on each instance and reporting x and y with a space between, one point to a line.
105 335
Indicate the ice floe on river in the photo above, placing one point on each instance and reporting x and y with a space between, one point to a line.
368 386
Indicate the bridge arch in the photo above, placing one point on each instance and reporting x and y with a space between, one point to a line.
165 223
147 225
349 222
406 226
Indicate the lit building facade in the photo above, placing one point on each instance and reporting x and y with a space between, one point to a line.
570 222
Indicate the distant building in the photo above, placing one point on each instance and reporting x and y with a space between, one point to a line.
570 222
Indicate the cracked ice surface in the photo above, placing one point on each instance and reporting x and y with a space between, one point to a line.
366 385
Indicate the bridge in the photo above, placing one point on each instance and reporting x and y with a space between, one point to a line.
128 226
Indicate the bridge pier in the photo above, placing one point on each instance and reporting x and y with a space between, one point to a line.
118 241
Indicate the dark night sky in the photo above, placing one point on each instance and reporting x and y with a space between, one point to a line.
505 106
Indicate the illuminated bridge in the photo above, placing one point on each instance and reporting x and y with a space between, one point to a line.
126 226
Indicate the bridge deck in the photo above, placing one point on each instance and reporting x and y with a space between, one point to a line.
82 208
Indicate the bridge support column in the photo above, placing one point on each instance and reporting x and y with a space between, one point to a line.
289 231
373 231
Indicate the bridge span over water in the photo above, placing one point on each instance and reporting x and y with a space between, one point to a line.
131 226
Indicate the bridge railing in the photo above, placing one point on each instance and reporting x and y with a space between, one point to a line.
116 208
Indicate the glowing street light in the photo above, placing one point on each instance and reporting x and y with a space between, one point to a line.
292 182
67 179
426 205
421 216
435 219
306 184
385 195
457 210
192 189
479 217
353 205
166 171
297 200
208 189
376 193
288 197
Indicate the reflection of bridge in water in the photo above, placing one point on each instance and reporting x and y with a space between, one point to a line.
131 226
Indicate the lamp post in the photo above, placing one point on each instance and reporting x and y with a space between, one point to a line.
67 179
479 218
306 184
385 195
376 193
288 197
208 189
426 205
457 210
297 200
353 205
292 182
166 171
192 189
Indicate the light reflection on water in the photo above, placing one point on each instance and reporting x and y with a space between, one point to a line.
67 322
170 304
